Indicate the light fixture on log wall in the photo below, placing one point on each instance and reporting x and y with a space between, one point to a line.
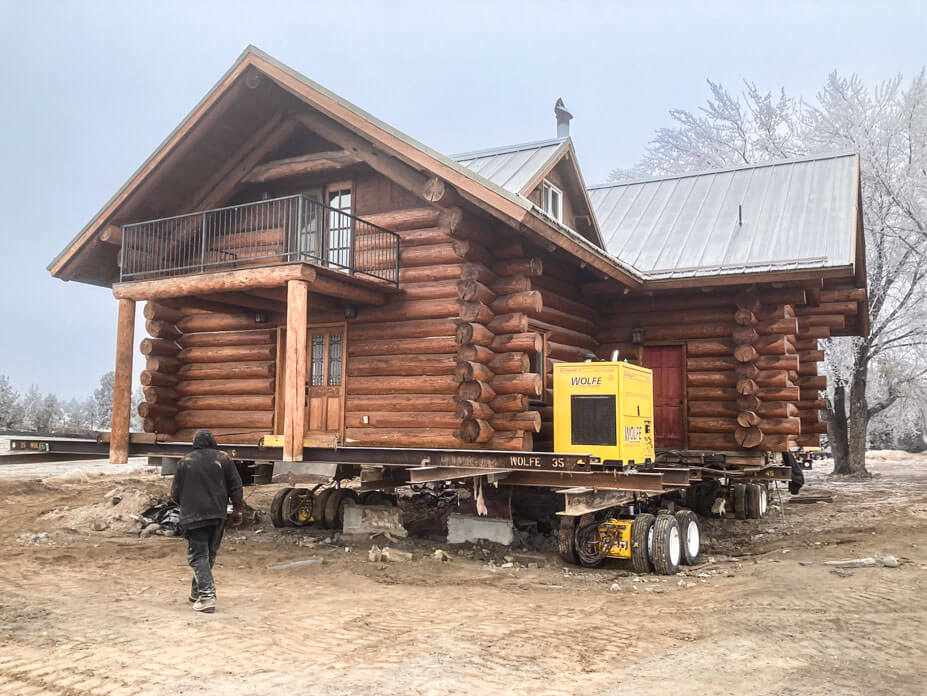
260 318
637 335
350 312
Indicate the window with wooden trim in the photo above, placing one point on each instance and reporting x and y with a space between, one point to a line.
552 200
339 198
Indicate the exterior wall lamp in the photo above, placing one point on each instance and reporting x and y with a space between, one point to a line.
637 336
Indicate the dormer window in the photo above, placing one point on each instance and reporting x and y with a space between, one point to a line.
552 201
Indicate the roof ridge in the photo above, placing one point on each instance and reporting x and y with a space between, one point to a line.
537 144
722 170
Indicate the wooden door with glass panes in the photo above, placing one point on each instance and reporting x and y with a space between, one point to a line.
325 380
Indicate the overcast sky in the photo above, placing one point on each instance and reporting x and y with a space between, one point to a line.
90 89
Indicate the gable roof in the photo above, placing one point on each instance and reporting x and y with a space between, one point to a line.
514 167
520 169
779 216
495 199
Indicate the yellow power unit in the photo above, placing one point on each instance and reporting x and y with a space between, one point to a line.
604 409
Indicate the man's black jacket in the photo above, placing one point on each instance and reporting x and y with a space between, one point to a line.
205 480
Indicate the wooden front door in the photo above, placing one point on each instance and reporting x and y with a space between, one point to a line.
667 363
325 381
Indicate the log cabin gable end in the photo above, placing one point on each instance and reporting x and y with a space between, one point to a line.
561 178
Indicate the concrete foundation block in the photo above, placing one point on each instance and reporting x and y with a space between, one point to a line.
360 520
471 528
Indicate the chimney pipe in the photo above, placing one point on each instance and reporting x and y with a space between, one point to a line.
563 119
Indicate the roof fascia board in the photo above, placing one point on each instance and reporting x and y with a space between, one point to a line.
160 152
548 165
742 278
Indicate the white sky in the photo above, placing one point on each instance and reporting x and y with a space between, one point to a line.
88 90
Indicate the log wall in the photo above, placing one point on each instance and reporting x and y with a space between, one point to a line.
752 358
453 360
207 369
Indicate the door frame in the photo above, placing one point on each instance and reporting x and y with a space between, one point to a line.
280 376
685 381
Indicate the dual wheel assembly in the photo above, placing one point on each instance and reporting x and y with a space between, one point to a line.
299 507
751 501
654 543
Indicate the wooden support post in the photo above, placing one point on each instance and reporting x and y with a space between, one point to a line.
294 414
122 384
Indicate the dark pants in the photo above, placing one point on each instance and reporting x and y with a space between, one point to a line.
202 547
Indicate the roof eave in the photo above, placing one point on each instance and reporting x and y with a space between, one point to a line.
584 250
774 276
174 137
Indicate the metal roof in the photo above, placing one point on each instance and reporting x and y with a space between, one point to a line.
788 215
514 167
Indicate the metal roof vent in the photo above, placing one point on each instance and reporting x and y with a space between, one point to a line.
563 119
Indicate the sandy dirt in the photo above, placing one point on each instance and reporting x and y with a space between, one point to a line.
103 612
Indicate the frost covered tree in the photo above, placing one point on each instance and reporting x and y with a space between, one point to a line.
103 401
10 405
887 126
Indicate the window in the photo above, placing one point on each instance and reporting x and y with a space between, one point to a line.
317 377
552 201
334 359
340 224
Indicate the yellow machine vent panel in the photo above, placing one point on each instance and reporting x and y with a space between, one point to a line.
604 409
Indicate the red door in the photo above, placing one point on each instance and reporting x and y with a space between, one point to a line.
668 380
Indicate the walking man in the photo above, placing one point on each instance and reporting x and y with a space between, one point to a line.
205 481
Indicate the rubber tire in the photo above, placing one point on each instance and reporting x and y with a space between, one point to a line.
276 508
640 536
566 540
764 501
287 513
740 501
334 506
321 498
663 530
753 501
685 518
582 522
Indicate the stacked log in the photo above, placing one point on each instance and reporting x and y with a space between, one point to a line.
159 379
747 432
403 364
742 365
207 369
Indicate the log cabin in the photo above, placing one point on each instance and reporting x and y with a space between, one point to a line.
311 272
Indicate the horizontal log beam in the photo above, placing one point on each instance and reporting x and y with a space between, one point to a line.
222 281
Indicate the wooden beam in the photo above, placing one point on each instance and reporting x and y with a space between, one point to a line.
294 414
392 168
122 383
112 234
346 291
222 185
300 165
206 283
243 299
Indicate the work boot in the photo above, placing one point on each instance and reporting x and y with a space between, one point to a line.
205 605
192 598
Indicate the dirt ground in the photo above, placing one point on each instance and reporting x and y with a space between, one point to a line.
103 612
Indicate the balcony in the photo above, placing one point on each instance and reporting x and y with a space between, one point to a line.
280 230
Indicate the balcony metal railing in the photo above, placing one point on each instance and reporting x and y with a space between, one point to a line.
279 230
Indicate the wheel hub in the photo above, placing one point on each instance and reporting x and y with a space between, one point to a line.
674 547
692 539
